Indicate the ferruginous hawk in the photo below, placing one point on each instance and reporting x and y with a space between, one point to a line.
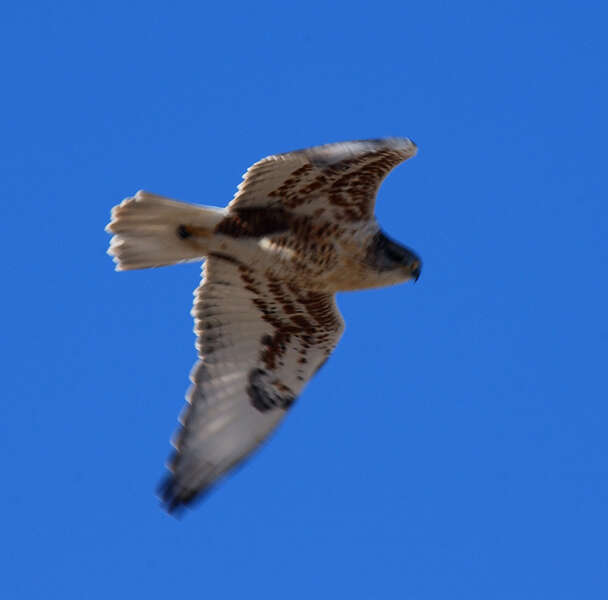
300 228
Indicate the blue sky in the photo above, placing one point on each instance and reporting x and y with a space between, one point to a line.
455 445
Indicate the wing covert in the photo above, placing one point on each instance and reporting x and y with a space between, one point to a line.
343 177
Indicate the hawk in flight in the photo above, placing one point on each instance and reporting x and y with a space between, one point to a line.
300 228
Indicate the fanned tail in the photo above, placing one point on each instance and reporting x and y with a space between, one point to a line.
153 231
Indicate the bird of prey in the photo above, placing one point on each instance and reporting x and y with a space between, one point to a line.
300 228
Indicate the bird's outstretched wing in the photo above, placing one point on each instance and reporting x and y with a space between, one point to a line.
341 178
260 340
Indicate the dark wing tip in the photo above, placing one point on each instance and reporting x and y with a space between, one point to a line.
173 498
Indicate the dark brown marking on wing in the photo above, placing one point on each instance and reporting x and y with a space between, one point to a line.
254 222
302 323
183 232
286 189
275 346
299 320
275 349
305 321
321 310
225 257
353 192
350 184
249 280
326 171
267 394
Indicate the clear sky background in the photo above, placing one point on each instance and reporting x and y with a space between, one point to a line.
455 445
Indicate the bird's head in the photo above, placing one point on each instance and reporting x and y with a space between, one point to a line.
393 262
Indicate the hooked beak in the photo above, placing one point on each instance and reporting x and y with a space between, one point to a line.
415 268
412 263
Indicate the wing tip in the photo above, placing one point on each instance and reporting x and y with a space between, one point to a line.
328 154
175 499
172 499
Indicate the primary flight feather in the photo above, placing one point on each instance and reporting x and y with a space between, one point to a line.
300 228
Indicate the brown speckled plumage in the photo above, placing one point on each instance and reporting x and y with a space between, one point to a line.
300 228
